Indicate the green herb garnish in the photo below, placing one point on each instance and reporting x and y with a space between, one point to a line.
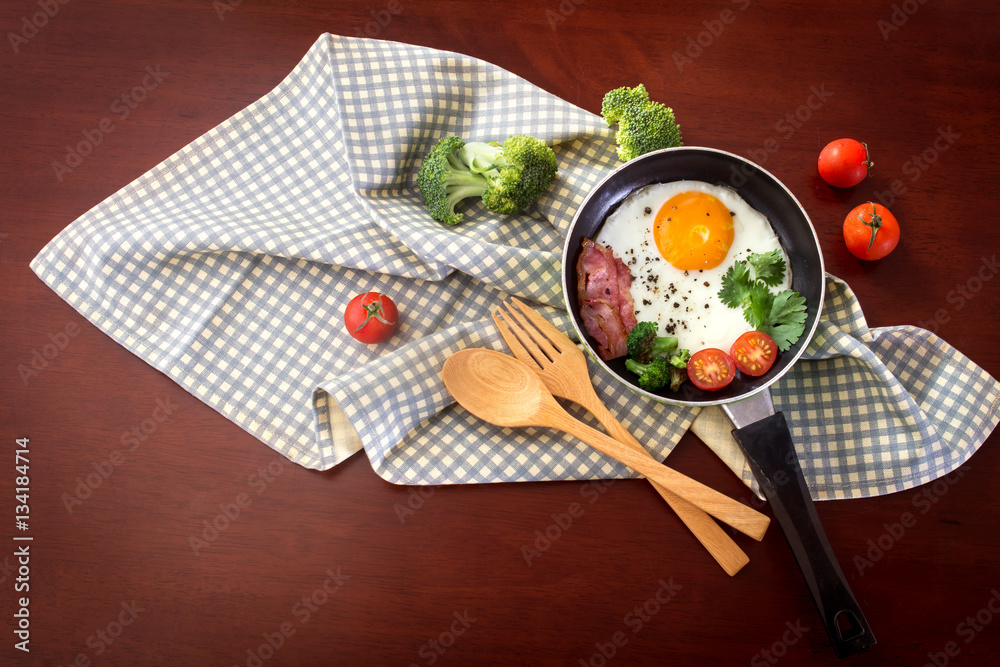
781 316
769 267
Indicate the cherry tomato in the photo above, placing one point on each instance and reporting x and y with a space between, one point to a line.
844 163
871 231
754 353
371 317
711 369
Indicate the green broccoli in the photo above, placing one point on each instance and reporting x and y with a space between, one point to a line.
661 372
680 359
508 177
444 180
655 358
678 376
620 101
644 342
643 125
652 376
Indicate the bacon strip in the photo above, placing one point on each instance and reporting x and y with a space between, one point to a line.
603 283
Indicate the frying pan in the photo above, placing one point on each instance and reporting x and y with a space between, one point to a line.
761 433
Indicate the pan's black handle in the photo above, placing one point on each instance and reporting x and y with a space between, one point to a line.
768 446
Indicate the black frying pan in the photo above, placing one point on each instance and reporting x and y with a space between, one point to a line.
762 435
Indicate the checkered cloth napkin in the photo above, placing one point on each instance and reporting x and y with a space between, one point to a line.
228 267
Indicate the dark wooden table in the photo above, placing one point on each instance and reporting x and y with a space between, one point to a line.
344 568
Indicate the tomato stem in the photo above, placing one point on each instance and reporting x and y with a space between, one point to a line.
868 159
875 223
375 310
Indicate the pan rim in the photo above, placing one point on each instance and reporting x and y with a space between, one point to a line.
566 271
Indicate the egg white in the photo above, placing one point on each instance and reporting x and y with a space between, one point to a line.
685 303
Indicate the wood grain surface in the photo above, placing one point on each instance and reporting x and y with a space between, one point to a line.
343 568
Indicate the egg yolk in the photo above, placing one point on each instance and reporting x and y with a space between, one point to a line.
693 230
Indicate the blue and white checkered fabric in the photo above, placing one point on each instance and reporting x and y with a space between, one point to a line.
228 267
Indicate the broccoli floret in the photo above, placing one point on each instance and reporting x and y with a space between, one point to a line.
660 372
508 177
678 376
644 343
522 171
652 376
444 180
643 125
656 359
621 100
680 359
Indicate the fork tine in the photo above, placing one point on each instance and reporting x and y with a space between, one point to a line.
512 340
556 338
542 353
531 336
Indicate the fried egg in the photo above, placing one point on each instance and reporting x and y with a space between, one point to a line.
678 239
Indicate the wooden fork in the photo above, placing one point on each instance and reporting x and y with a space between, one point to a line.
562 367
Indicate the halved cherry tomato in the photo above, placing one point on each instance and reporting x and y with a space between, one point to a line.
371 317
871 231
711 369
754 353
844 163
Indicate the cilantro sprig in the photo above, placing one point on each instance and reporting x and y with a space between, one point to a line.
747 285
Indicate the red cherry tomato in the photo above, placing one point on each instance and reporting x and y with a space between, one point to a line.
711 369
844 163
754 353
371 317
871 231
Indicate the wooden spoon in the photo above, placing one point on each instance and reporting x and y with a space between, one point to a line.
504 391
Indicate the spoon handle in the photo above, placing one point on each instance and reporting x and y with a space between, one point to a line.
711 535
744 519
